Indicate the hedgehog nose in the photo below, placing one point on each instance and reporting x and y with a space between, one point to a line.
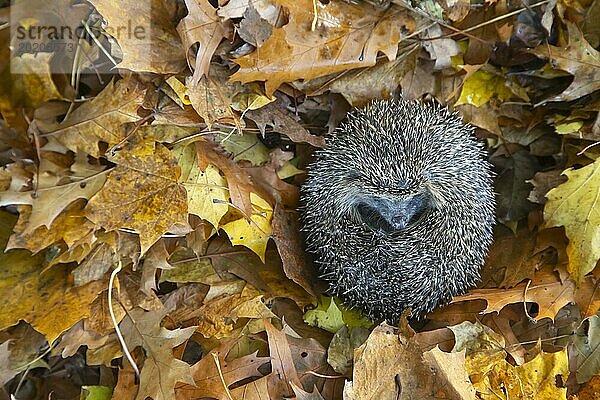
399 221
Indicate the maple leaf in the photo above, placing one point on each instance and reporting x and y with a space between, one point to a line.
47 301
573 204
150 44
161 371
141 193
202 26
346 36
99 119
49 202
578 58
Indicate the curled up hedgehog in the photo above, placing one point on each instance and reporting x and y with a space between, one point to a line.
399 209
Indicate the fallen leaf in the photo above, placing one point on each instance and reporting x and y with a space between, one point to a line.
99 119
208 371
161 370
142 193
578 58
586 351
346 36
545 289
150 44
572 204
253 232
202 25
208 196
25 288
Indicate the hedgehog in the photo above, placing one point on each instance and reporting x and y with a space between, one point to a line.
398 208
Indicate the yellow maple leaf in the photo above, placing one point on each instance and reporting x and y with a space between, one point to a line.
253 234
574 205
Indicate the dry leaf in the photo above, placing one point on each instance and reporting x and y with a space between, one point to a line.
346 36
142 193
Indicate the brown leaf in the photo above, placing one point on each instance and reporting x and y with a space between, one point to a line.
161 370
284 371
208 379
211 96
100 119
238 180
282 120
141 193
546 290
578 58
202 26
296 51
286 234
390 365
150 44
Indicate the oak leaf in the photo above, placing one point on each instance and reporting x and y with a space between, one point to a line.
202 25
345 36
546 290
578 58
214 370
161 370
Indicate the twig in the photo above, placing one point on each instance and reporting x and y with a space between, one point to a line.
116 324
216 358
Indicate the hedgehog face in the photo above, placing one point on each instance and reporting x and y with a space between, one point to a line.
390 214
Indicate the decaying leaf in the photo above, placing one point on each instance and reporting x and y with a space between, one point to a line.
345 36
100 119
146 176
161 370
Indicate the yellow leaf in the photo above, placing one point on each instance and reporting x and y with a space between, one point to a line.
179 89
481 86
207 191
570 127
50 201
574 205
45 300
535 380
31 79
253 234
142 193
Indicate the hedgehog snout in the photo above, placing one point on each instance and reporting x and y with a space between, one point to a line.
391 214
